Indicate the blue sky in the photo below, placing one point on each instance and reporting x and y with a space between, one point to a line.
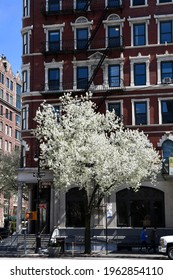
10 32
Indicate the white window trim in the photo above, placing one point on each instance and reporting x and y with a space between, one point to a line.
26 67
157 3
161 58
161 18
112 22
160 108
139 59
138 6
81 22
133 110
115 101
92 63
27 16
28 30
132 21
27 110
54 27
52 65
47 5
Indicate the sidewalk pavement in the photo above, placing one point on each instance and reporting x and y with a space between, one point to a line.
101 254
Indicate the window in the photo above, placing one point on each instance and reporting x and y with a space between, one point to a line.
116 106
6 146
167 111
10 147
1 126
165 1
7 97
167 149
81 4
166 70
166 34
0 143
1 78
140 112
53 5
1 93
26 4
138 2
7 82
11 100
24 118
54 41
113 36
114 75
11 116
139 74
10 131
25 43
82 38
57 111
17 134
11 85
6 113
53 79
82 77
113 3
25 81
139 36
18 96
6 129
1 110
18 120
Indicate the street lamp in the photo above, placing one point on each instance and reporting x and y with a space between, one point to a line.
38 175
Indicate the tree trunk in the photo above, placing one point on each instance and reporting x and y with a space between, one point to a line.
87 233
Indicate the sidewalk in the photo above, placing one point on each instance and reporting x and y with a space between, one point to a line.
111 255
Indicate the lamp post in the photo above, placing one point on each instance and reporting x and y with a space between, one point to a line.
38 175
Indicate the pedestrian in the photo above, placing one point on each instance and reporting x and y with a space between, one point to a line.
153 237
143 237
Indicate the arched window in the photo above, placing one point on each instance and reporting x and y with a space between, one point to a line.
167 149
142 208
76 200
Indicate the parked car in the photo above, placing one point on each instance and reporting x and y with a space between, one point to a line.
166 246
3 233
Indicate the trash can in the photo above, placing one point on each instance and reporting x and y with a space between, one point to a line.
61 242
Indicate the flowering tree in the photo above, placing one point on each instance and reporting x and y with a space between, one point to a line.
93 150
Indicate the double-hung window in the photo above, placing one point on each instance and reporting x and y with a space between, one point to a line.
26 5
139 74
138 2
166 34
54 79
113 3
165 1
116 107
167 71
113 36
53 5
139 34
25 43
114 75
54 41
140 112
167 111
24 81
82 77
82 38
81 4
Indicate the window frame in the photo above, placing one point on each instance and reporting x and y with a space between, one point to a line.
139 20
114 76
160 100
137 74
134 102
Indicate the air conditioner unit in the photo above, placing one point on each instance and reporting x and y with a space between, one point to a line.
167 80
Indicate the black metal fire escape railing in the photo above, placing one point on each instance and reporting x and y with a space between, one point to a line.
96 69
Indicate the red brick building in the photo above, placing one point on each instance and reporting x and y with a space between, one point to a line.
121 51
10 124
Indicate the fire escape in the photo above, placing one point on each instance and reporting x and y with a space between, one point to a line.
84 7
